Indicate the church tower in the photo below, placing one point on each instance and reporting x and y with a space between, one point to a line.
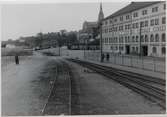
101 15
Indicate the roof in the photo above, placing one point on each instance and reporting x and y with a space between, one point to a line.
90 23
131 7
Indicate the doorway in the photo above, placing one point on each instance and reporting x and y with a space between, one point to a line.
127 49
144 50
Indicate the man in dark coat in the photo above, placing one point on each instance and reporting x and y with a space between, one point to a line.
108 57
17 59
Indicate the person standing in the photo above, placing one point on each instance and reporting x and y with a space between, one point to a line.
108 57
16 59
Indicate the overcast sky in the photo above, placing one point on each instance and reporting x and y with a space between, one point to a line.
29 19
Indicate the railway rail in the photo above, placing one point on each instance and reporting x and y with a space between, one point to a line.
152 88
59 99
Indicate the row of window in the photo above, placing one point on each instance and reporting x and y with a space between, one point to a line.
154 50
144 38
135 49
135 25
135 14
121 48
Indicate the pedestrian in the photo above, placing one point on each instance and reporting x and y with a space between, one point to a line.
17 59
108 57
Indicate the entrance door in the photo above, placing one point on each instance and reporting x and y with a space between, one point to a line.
127 49
144 50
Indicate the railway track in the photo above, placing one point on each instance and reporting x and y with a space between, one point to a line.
150 87
59 99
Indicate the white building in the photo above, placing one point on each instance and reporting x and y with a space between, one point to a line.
139 27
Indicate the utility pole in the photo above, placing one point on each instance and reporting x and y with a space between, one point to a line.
140 40
101 45
100 19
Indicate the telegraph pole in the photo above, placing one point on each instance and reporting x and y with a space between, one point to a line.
140 40
101 45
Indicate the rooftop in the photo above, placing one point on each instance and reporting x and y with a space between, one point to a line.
131 7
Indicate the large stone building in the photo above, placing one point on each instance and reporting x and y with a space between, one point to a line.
90 30
87 31
138 28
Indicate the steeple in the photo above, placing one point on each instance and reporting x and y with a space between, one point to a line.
101 15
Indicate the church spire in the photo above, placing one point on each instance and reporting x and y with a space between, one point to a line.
101 15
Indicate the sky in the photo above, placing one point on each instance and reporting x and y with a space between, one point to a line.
29 19
22 19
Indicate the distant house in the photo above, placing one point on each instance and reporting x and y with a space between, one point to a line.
10 46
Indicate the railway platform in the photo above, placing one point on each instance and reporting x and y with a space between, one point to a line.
160 75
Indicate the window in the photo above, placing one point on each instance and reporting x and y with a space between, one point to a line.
146 23
103 40
119 39
129 26
109 40
106 22
155 9
135 14
164 6
116 28
154 50
156 21
133 39
152 22
137 38
126 27
157 38
120 27
163 49
116 48
164 20
116 40
163 37
121 48
152 38
110 47
144 12
133 49
126 39
133 25
146 38
122 39
110 29
115 20
137 25
142 24
110 21
127 17
142 38
136 49
121 18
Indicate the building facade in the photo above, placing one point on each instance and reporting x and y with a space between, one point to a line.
138 28
90 30
87 31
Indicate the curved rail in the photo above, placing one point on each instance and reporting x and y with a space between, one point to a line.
150 87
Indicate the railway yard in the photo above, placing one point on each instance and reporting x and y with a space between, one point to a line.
65 86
